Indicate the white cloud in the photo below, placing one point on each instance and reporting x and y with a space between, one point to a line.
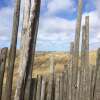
56 6
97 2
54 32
6 15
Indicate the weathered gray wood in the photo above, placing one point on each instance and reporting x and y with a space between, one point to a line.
70 71
85 74
92 85
82 87
38 93
65 91
69 82
61 86
26 17
72 48
35 90
27 51
97 78
76 50
34 46
87 67
50 87
87 40
43 88
71 53
3 56
57 89
12 52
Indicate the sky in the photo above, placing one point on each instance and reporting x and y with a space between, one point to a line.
57 23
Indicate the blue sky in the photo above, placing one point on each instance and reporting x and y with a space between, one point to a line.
57 23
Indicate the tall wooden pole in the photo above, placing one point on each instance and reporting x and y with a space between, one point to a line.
82 68
26 52
87 69
87 40
57 89
97 78
43 88
3 56
12 52
26 17
76 49
28 83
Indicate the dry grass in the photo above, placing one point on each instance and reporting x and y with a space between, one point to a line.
42 62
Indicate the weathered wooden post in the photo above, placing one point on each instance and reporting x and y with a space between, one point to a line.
85 72
50 87
76 50
35 90
72 48
12 52
43 88
97 78
87 40
82 68
65 91
70 70
3 56
27 51
92 85
88 68
61 86
71 53
27 89
26 17
38 92
51 80
57 89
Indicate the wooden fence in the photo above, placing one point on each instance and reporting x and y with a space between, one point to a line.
78 81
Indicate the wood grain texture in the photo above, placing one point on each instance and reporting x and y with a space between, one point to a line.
27 51
76 49
3 56
12 52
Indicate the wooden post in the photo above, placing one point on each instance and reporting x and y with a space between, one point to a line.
87 40
87 69
61 86
35 90
82 68
50 87
70 82
26 17
27 51
92 85
97 78
12 52
85 74
57 89
34 47
76 50
72 48
43 89
3 56
72 53
38 93
65 91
